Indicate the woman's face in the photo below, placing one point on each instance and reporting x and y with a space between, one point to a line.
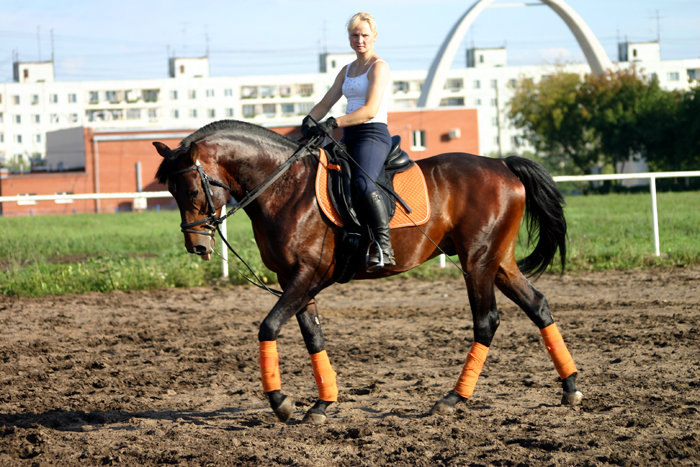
362 38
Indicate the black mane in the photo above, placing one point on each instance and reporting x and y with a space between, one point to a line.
169 164
234 126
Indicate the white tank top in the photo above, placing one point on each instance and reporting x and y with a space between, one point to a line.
355 91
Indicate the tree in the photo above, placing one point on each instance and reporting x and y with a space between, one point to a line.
555 122
623 108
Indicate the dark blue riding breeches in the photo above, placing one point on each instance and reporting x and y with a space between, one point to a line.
368 144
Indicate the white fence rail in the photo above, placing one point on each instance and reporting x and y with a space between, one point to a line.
142 196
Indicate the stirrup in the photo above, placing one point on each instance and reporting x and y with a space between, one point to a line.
380 264
372 267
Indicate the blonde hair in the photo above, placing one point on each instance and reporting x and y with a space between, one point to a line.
359 17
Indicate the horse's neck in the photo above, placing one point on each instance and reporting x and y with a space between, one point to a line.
254 165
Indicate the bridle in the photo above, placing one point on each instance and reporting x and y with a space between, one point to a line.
212 222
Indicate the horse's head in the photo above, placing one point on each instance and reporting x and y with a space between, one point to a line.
192 179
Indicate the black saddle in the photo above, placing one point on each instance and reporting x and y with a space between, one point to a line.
340 183
341 194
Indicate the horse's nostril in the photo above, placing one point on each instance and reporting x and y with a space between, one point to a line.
200 249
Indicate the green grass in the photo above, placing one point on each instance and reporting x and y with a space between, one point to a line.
52 255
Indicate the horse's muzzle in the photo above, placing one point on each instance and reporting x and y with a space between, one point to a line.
203 251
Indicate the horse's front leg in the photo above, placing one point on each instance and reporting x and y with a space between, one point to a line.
310 326
287 306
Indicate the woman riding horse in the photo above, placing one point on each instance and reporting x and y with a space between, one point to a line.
364 83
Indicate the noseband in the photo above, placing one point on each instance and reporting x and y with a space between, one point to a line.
211 222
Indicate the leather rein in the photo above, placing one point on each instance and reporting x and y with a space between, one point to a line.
212 222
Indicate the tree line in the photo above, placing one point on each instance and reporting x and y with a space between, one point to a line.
578 123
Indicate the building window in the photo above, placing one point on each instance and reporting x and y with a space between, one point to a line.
192 94
18 119
228 92
53 99
18 139
401 86
306 90
72 98
150 95
193 113
287 109
249 92
304 108
35 99
452 101
674 76
153 114
94 97
269 110
112 96
176 114
285 90
454 84
267 91
477 84
53 118
1 117
173 94
494 83
248 111
418 140
74 118
494 102
37 118
230 113
133 114
210 93
211 113
37 138
15 100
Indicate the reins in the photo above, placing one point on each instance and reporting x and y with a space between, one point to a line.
211 222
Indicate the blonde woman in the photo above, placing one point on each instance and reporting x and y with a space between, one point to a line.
364 83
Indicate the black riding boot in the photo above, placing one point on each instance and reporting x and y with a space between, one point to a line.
378 221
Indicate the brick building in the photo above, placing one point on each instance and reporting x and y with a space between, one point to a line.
85 160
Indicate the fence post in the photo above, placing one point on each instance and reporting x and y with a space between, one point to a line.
224 251
654 215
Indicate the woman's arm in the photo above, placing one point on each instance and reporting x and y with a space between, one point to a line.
378 79
332 96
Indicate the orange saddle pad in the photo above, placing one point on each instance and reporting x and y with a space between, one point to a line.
409 185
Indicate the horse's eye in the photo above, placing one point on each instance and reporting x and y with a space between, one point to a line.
193 194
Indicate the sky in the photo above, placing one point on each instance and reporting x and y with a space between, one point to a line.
133 39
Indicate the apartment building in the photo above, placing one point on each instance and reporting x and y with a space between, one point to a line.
35 103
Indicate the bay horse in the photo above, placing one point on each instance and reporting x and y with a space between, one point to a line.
477 204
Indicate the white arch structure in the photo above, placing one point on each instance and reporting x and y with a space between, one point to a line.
595 54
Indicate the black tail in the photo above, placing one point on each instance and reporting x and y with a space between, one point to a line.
544 207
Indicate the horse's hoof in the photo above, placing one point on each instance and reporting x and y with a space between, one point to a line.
442 408
314 418
285 409
572 398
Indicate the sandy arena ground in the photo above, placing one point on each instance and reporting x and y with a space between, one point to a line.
172 376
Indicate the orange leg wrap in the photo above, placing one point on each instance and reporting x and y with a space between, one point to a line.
556 347
472 370
325 377
270 366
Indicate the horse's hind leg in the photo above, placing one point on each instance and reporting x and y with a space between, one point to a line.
323 371
516 287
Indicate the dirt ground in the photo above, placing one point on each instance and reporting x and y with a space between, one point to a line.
172 377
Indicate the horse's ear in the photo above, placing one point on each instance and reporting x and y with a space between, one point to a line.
162 149
194 152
